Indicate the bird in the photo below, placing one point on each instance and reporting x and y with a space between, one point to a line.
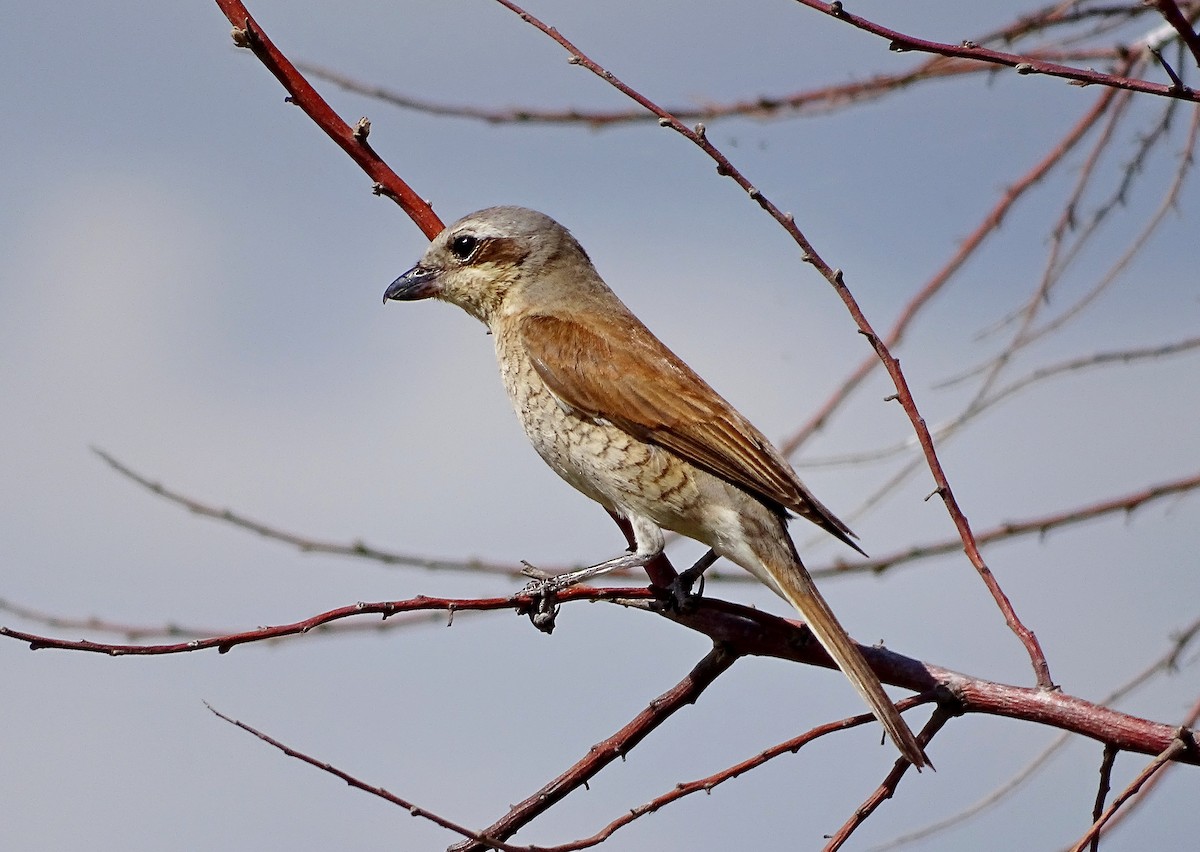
625 421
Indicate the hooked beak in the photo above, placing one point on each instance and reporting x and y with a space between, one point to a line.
417 283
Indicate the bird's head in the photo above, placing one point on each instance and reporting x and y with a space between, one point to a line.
498 261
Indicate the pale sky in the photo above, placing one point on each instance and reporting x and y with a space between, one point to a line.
192 281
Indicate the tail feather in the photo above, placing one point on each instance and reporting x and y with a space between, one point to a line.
797 587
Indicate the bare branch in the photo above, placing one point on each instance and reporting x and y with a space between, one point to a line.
1182 24
1106 765
820 100
740 631
1179 745
248 34
966 249
224 643
1144 793
714 664
358 784
710 782
887 788
355 549
1021 64
1167 662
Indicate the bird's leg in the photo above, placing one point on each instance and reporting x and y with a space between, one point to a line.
544 581
649 543
545 586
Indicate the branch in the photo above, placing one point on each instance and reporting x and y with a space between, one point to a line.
990 223
1021 64
248 34
741 631
1040 525
387 609
1177 746
1115 819
358 784
887 788
1164 663
714 664
356 549
1170 10
1106 766
710 782
818 100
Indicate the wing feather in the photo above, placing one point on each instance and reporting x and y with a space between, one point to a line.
613 367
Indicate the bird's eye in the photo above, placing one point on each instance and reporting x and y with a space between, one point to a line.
463 246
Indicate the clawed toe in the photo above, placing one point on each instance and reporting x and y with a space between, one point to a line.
536 573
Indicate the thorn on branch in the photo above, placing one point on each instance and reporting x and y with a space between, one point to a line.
1024 68
664 122
934 493
897 47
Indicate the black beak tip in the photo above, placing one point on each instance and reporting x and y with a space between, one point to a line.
417 283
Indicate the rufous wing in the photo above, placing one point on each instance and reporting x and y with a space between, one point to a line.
610 366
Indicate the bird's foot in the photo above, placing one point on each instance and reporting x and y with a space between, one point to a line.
680 591
679 596
544 589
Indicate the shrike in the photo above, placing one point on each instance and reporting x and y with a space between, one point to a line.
619 416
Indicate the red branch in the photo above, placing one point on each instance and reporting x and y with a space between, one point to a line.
887 787
745 631
1176 746
1023 64
247 33
966 249
714 664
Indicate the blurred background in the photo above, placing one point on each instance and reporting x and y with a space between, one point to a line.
192 276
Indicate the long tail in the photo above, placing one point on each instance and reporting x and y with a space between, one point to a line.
797 586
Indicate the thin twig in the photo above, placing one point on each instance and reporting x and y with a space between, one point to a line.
1144 793
355 549
359 784
1182 24
887 788
967 248
1106 767
714 664
820 100
710 782
1179 745
1024 65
